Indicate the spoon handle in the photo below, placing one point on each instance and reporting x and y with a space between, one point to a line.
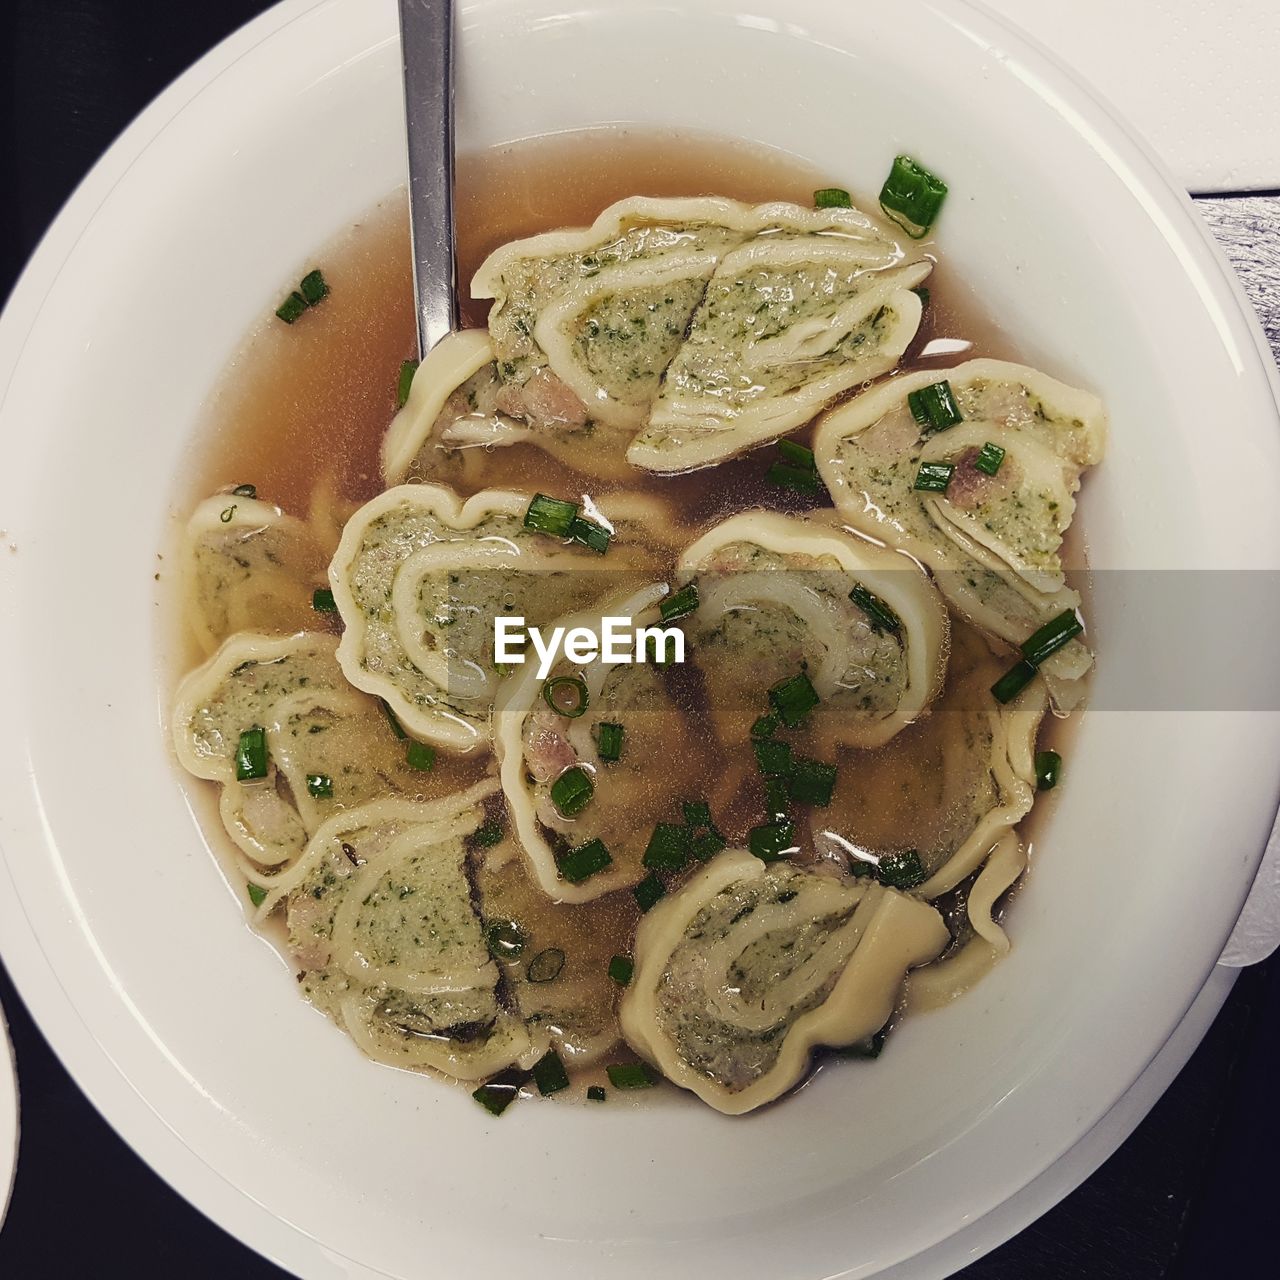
426 41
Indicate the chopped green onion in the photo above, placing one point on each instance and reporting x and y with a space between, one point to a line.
630 1075
609 740
404 384
322 601
771 840
697 813
649 890
593 536
680 603
595 1093
934 407
227 514
1048 770
860 868
668 847
251 754
989 458
549 1074
420 756
912 196
571 792
257 894
765 727
797 455
706 844
546 965
881 616
320 785
934 477
923 294
313 287
621 968
777 798
245 491
392 721
496 1098
901 870
566 687
773 756
489 834
576 865
1044 643
292 307
788 477
832 198
812 782
793 699
1013 681
550 515
505 939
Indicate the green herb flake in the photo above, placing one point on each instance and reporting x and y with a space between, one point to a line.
621 969
649 891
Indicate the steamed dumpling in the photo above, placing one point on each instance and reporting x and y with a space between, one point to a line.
316 726
248 567
419 577
749 966
536 745
789 322
774 596
389 943
993 542
646 320
452 404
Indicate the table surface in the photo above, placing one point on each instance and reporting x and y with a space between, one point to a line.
1189 1188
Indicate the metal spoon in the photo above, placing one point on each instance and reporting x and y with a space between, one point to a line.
426 41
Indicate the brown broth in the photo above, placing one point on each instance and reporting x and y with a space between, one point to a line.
309 403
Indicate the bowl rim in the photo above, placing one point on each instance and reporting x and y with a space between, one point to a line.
33 970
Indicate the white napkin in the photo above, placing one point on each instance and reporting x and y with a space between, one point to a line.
1200 78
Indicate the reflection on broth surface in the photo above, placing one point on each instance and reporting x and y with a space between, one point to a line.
579 828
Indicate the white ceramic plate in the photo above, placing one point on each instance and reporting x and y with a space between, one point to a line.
115 921
8 1118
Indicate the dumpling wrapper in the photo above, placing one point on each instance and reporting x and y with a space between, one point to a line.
248 567
588 323
535 745
992 542
789 322
315 723
419 577
748 967
774 596
383 927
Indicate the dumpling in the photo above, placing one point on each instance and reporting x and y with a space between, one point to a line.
1005 475
560 980
949 789
635 322
789 322
750 965
776 593
452 404
249 567
419 577
594 842
389 943
328 747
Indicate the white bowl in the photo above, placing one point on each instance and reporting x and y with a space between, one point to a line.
116 923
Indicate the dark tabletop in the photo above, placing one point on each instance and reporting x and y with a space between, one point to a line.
1186 1198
